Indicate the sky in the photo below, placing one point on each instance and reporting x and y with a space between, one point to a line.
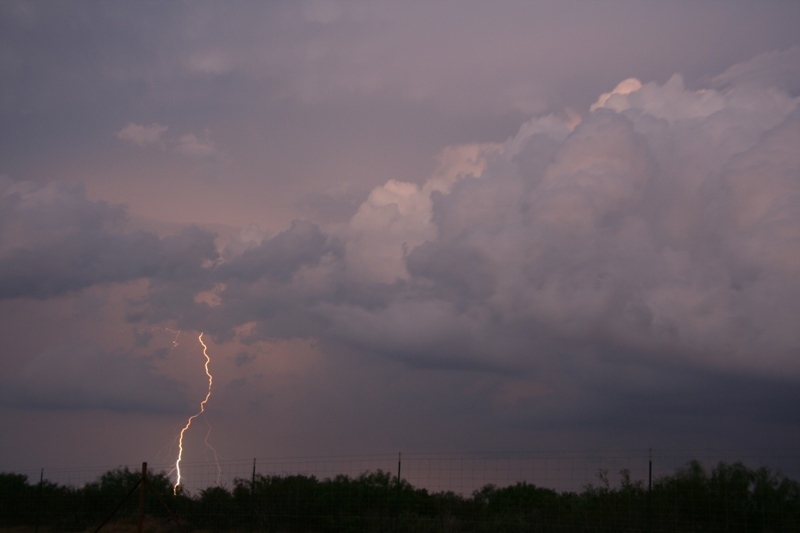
448 226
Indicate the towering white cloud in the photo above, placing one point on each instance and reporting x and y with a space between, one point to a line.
662 225
396 217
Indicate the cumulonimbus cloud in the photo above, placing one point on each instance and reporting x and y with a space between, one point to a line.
665 222
664 225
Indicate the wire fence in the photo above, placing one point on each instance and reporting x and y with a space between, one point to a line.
641 490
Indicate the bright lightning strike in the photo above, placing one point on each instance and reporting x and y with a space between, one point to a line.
198 413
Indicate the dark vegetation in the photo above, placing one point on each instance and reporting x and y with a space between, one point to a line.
728 498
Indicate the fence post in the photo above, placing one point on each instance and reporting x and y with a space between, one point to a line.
650 492
253 496
39 500
397 509
142 489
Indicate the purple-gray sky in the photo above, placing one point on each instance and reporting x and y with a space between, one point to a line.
424 226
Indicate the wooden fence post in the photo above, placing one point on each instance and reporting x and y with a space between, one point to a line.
142 489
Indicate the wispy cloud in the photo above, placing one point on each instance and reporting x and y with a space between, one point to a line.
142 135
189 144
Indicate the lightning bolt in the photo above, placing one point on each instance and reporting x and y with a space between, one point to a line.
191 418
174 340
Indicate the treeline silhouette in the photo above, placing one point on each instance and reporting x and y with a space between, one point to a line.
729 497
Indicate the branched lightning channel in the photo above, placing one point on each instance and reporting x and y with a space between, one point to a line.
214 451
198 413
174 340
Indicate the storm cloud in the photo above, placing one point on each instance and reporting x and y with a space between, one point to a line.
55 241
664 224
450 226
